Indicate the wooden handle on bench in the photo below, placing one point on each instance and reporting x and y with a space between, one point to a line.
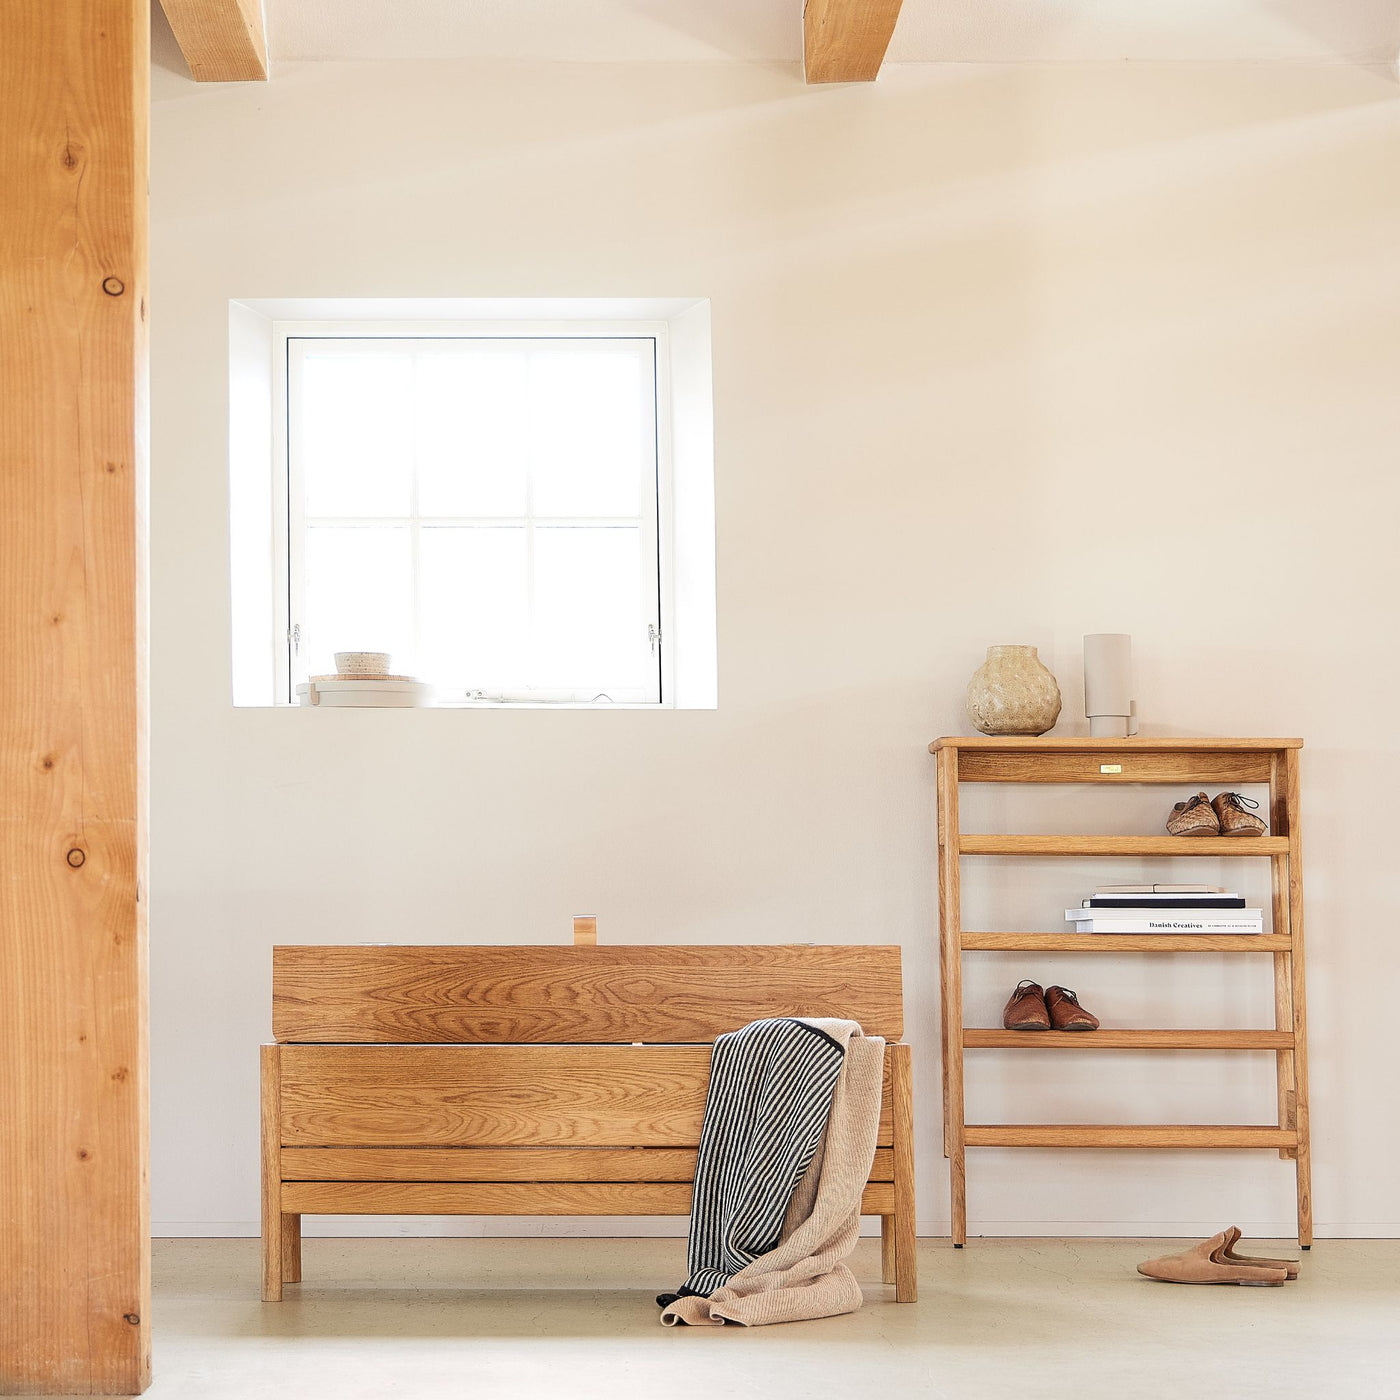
585 931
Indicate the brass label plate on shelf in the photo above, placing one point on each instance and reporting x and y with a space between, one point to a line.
1110 767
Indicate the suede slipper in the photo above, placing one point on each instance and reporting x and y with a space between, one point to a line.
1205 1263
1232 1238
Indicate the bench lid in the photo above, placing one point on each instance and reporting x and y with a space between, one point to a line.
658 994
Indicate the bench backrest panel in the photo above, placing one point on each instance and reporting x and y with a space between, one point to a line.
395 995
524 1096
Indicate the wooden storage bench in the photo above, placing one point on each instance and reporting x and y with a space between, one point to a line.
538 1080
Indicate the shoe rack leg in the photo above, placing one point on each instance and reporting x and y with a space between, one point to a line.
887 1249
1283 970
943 1056
1303 1163
950 944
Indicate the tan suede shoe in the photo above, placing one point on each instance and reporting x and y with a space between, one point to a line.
1194 817
1206 1263
1026 1010
1235 820
1066 1014
1227 1253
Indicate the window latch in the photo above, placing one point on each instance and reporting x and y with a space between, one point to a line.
653 636
294 637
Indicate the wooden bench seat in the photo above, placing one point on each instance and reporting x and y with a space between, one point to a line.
538 1080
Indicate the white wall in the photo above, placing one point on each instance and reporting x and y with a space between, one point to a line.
1000 356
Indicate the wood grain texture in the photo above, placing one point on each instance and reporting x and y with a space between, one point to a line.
980 844
1128 1040
1283 958
495 1116
512 1198
1275 761
950 926
484 1164
1180 1135
291 1248
74 1218
844 41
1189 767
270 1103
1012 743
1127 942
223 41
499 1096
906 1257
554 995
1300 1117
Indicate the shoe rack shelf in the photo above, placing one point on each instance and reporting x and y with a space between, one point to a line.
1187 763
1119 845
1129 942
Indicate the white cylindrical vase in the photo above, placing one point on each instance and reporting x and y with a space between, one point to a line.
1108 684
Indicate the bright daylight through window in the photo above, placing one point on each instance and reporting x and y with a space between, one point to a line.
486 509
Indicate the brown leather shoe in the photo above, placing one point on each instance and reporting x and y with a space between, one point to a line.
1026 1010
1066 1014
1194 817
1235 820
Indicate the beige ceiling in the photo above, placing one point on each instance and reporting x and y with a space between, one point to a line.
968 31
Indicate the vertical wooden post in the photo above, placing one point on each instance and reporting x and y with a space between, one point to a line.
950 944
585 931
74 1245
906 1244
887 1249
275 1245
1283 962
1303 1162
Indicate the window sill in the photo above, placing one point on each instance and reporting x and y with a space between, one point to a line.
449 704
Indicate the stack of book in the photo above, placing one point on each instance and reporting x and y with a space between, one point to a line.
1165 909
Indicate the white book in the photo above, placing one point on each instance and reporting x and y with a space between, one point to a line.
1161 889
1136 916
1165 925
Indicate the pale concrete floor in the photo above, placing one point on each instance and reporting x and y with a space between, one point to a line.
480 1319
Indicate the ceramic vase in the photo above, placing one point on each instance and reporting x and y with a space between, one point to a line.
1013 693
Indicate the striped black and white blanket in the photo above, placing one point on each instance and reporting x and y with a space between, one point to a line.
770 1095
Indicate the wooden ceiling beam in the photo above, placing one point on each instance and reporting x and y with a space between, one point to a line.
844 41
223 41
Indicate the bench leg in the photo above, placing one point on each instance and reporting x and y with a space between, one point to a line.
291 1248
281 1247
887 1267
906 1258
274 1234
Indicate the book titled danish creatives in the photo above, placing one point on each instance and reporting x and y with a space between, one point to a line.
1165 909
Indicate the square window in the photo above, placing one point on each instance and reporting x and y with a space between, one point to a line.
485 507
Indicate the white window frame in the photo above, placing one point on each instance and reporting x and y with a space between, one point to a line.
656 513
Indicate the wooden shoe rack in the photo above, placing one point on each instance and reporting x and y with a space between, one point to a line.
1187 764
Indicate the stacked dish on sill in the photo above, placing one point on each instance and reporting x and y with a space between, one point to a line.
362 680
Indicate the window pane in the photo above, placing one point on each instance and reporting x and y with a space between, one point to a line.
590 629
475 606
471 424
588 417
359 594
356 433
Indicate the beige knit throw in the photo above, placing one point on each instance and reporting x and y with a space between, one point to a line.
803 1276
